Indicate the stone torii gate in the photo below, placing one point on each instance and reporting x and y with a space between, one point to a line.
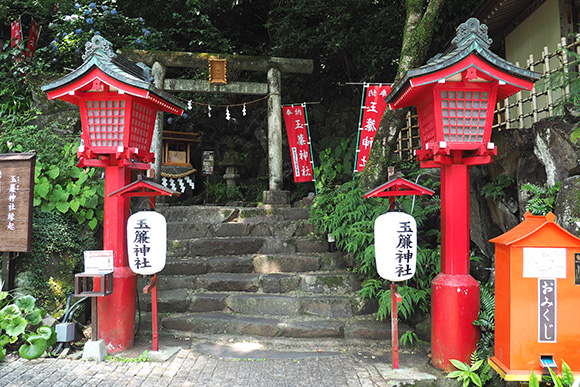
274 66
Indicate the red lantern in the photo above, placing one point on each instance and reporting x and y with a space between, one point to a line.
455 96
118 105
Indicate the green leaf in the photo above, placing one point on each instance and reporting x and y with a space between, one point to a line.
74 205
36 347
475 379
42 189
16 326
567 375
26 303
555 379
54 172
93 223
92 201
63 207
2 353
37 169
476 365
9 312
47 206
82 177
459 365
455 374
4 339
58 194
48 334
34 317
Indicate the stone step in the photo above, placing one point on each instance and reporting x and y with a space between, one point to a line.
220 214
254 263
295 304
220 323
311 282
244 245
285 228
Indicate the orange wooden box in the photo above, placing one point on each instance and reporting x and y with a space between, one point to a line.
537 306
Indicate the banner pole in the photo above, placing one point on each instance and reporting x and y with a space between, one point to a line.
310 145
362 103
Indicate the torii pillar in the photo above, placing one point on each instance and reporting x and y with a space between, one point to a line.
273 66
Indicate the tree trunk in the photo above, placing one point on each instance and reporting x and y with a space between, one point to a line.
418 34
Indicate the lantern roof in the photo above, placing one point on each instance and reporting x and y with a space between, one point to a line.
103 66
142 187
398 187
469 50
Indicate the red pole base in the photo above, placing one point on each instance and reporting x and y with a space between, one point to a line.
117 312
454 307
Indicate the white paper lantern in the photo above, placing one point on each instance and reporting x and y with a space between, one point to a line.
396 246
147 242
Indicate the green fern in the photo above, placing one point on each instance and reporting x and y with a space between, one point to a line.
542 199
409 338
486 320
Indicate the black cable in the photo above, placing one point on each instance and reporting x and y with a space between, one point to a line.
69 311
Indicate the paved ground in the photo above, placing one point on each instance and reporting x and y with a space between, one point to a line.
210 364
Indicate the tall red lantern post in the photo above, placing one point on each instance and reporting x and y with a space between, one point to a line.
455 95
118 105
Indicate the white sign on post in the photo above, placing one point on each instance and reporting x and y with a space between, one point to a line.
396 246
147 242
98 261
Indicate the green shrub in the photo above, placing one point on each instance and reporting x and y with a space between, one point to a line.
344 213
47 271
68 207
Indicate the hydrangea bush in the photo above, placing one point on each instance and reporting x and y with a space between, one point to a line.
75 25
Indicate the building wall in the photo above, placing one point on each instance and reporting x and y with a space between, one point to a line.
541 29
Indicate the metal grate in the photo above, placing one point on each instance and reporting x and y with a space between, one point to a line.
106 121
426 119
463 115
141 123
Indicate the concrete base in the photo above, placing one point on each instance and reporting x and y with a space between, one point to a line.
277 198
95 350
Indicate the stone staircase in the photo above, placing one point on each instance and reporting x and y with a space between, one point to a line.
256 272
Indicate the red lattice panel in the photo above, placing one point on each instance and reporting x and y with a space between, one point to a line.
463 115
105 122
426 120
142 123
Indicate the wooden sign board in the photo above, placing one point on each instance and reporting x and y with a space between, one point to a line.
217 71
16 195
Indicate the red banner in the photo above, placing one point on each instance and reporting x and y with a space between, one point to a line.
32 39
299 142
15 33
373 108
